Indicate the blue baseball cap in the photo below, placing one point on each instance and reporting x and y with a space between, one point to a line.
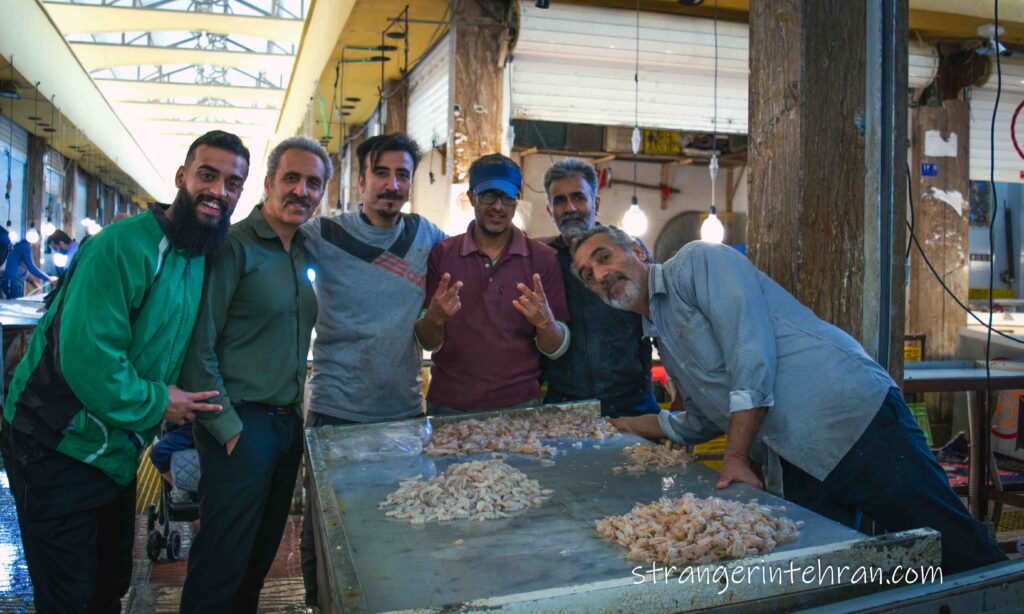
502 177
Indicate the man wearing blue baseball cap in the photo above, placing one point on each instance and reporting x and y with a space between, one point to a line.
496 303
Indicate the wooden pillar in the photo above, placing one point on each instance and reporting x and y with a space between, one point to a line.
354 196
69 197
811 215
476 93
35 175
334 185
397 107
941 225
92 204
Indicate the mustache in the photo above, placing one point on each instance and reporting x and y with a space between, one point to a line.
572 217
388 195
606 283
305 201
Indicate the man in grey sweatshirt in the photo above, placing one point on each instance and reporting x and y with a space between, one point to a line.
371 275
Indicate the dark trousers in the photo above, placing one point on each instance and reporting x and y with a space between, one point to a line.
12 288
244 500
77 527
891 475
307 543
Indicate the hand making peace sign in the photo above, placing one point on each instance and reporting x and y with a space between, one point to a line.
445 302
533 304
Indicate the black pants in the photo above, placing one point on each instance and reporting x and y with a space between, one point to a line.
891 475
307 544
76 524
244 500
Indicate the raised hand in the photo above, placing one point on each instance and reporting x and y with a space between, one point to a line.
533 304
445 302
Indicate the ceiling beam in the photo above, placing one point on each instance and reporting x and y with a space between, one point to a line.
93 19
95 56
165 110
118 90
195 128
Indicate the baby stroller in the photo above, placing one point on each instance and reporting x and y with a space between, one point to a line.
179 503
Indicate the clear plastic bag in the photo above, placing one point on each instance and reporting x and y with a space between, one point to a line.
405 438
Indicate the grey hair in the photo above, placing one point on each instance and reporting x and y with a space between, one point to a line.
618 236
571 167
298 142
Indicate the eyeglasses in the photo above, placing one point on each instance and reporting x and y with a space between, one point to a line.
490 197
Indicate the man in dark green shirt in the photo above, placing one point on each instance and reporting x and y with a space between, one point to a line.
250 343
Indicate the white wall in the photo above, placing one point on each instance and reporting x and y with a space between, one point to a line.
693 183
430 200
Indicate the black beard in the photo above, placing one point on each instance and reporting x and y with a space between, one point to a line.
185 231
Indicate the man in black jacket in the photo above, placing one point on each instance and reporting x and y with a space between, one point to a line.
608 358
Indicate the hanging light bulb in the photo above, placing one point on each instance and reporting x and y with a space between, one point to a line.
32 236
60 260
634 221
48 228
12 233
712 230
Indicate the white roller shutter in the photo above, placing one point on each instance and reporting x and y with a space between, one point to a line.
576 64
429 98
1009 163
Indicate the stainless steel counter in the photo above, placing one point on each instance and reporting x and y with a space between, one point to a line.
544 559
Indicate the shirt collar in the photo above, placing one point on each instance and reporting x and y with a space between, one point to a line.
517 245
656 281
263 229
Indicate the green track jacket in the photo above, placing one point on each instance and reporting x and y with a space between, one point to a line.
93 384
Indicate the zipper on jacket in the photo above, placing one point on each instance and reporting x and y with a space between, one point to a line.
184 315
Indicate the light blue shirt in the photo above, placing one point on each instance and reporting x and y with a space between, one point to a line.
732 339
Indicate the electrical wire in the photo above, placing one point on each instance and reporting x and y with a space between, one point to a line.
914 242
636 103
992 223
449 12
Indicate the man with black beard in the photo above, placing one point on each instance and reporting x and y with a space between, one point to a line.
99 377
609 357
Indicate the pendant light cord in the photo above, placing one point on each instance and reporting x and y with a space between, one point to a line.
713 166
636 102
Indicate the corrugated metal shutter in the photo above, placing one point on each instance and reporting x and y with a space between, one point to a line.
429 106
576 64
13 209
20 139
1009 164
81 204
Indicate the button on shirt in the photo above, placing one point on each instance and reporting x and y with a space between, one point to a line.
733 340
489 357
251 338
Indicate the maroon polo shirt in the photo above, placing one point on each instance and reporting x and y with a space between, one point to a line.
489 358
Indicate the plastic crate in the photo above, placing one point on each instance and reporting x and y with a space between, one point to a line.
920 413
715 446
